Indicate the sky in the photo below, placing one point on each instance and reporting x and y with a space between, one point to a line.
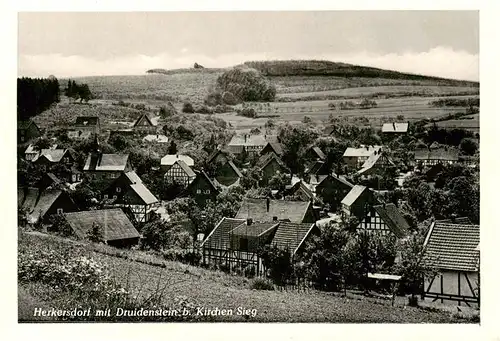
72 44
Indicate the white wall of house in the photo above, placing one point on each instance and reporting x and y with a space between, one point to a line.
452 285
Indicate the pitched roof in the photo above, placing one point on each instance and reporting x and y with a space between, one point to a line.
186 168
214 154
236 170
318 152
291 235
317 179
453 246
317 167
275 146
256 209
31 149
392 217
53 155
395 127
37 202
204 175
445 154
219 237
170 159
301 185
264 160
23 125
254 230
252 140
363 151
87 121
152 122
353 195
133 177
143 192
106 162
114 223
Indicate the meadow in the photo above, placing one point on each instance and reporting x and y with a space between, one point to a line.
142 274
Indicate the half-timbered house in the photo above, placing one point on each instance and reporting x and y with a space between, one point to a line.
235 243
180 173
272 147
432 156
355 157
453 250
252 144
129 191
384 219
378 161
170 159
106 166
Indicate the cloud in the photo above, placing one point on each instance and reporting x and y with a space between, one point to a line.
439 61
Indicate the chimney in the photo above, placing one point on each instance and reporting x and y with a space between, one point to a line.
367 148
394 125
176 156
249 221
275 218
245 137
268 202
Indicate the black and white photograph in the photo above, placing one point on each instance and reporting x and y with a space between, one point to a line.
248 166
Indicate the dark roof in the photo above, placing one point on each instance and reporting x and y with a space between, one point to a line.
87 121
453 246
114 223
318 152
214 154
23 125
219 237
450 154
256 209
275 146
318 168
37 202
288 235
264 160
203 174
392 217
148 119
291 235
52 177
254 229
236 170
301 185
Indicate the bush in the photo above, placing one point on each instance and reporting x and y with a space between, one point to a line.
229 99
188 108
183 256
261 284
248 112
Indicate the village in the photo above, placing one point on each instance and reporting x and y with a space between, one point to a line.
392 210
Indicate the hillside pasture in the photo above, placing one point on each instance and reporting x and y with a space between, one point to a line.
469 122
211 289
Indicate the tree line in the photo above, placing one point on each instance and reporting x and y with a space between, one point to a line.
35 95
78 91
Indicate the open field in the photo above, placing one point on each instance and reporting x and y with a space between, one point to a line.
469 122
212 289
381 91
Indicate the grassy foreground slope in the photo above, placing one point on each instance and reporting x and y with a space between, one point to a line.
212 289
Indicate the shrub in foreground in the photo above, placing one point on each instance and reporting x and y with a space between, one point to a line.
261 284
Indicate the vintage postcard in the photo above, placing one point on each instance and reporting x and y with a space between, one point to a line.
307 166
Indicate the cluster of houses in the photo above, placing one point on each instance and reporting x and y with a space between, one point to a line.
286 221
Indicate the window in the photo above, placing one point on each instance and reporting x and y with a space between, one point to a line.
198 191
208 201
118 189
114 197
112 175
59 211
66 159
207 191
243 244
368 219
105 196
